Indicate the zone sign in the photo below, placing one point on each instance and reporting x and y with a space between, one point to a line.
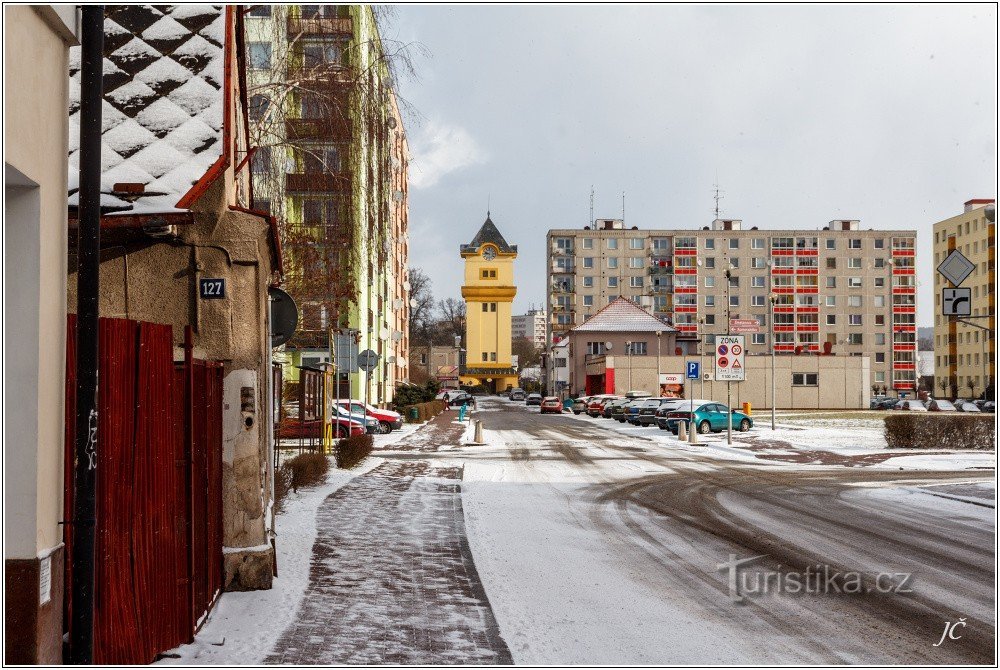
729 358
211 289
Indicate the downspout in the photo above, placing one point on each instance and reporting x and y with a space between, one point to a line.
81 641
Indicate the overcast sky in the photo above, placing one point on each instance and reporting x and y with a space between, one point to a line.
804 114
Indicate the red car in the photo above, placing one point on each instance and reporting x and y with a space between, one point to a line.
551 405
596 405
388 420
293 429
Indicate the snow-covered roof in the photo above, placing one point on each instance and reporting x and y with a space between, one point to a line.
163 103
621 315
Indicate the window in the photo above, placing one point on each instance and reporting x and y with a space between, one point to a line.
710 262
831 301
258 107
319 53
260 55
709 243
734 282
564 244
734 263
880 377
595 348
831 319
612 262
638 349
661 243
261 162
734 243
734 301
758 338
635 262
588 282
854 244
854 263
880 339
635 282
854 282
709 282
588 243
879 282
854 319
831 244
831 263
758 262
709 319
855 339
493 357
878 301
880 357
880 243
805 379
612 282
757 301
854 301
709 301
588 301
635 243
488 273
493 307
588 262
879 263
757 282
757 243
880 319
612 243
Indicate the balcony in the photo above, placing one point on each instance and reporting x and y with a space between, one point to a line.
318 182
567 268
338 129
320 26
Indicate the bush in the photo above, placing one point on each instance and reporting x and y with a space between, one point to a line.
936 431
352 450
303 470
425 411
408 395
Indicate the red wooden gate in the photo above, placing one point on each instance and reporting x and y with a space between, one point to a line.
153 500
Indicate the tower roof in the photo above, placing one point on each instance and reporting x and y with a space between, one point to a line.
623 315
489 233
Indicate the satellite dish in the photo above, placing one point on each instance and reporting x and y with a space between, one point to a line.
284 316
391 122
608 346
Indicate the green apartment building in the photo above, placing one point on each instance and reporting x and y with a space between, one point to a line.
331 165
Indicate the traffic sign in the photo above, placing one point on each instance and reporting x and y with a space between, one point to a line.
694 370
956 267
367 360
744 326
956 301
729 360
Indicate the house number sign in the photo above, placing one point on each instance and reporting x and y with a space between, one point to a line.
212 289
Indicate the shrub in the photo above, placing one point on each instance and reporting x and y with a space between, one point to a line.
412 394
352 450
936 431
303 470
425 411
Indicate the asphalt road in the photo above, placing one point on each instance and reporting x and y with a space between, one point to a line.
686 513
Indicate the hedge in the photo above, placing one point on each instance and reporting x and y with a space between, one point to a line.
303 470
425 410
352 450
936 431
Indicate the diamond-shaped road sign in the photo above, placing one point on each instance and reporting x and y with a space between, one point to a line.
956 267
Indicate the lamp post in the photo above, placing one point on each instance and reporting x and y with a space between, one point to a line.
729 384
892 336
772 299
628 352
658 334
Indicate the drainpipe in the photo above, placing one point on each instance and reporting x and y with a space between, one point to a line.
81 642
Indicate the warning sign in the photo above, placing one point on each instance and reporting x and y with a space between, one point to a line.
729 359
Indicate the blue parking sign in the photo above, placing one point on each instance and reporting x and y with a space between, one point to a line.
694 370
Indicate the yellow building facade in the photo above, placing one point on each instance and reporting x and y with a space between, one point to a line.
489 292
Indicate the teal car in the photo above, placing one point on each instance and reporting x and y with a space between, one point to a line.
709 417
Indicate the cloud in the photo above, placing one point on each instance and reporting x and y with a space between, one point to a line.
440 149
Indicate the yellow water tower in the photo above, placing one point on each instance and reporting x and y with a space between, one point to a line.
488 291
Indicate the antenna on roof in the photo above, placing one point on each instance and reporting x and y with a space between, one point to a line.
488 195
718 195
623 209
591 220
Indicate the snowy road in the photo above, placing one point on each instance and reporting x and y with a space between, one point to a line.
599 547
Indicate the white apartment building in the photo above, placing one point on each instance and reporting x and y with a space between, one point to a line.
840 290
531 325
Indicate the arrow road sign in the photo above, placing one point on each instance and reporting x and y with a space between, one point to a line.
956 267
956 301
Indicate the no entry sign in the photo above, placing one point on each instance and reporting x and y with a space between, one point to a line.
730 351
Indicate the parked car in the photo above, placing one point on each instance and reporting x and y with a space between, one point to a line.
371 425
643 413
595 407
551 405
989 406
940 406
616 409
709 417
580 404
533 399
388 420
968 407
293 429
910 406
672 405
460 398
516 394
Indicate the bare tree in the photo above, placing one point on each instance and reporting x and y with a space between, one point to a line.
452 317
421 308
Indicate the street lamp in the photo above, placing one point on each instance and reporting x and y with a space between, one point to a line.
628 351
729 384
658 334
772 299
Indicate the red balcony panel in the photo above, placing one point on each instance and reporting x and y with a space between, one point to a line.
784 347
904 271
685 289
685 308
784 328
782 271
905 346
902 385
904 309
904 290
686 327
807 289
782 252
807 271
904 366
807 252
783 289
784 309
685 252
685 271
904 328
808 327
904 252
807 309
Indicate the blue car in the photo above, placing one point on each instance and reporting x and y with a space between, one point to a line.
709 417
